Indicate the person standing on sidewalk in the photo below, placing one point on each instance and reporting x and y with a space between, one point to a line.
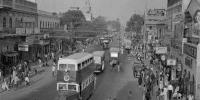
164 93
140 81
4 85
27 80
53 69
143 92
170 91
148 95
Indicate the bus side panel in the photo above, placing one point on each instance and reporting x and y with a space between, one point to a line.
87 92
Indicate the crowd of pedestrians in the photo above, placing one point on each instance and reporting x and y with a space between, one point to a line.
151 77
20 74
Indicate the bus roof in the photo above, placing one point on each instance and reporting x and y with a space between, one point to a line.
76 58
98 53
113 49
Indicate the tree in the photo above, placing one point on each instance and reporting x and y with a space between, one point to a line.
100 23
135 23
114 25
73 18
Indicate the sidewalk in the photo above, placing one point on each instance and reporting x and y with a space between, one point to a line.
36 82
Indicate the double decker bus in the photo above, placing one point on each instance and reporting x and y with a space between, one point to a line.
75 77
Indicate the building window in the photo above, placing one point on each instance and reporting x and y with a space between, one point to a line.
43 24
4 22
10 22
40 24
46 25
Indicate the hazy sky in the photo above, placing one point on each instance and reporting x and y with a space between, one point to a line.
111 9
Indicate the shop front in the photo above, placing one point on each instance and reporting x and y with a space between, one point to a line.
9 59
43 49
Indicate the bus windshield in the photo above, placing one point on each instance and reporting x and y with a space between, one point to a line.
66 67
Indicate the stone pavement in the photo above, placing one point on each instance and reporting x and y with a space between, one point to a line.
36 82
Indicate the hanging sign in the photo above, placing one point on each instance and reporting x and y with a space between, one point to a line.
161 50
163 58
171 62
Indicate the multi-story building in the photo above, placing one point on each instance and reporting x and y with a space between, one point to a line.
18 16
191 47
20 37
47 21
153 27
184 44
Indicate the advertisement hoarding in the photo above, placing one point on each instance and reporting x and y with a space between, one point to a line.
156 12
23 47
161 50
114 54
171 62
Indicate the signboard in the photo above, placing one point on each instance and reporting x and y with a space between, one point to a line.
172 2
156 12
114 54
23 47
188 62
161 50
171 62
30 39
190 50
20 31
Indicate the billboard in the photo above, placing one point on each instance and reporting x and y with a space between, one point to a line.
23 47
172 2
161 50
156 12
171 62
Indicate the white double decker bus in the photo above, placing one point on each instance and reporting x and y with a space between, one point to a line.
75 77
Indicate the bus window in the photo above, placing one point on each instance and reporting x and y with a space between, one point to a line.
71 67
62 87
79 66
83 64
62 66
72 87
91 59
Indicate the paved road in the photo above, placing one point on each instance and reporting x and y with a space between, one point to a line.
118 84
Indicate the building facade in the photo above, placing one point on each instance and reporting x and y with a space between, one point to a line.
20 36
184 47
18 16
153 24
47 21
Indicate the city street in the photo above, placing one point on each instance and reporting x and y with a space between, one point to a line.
109 83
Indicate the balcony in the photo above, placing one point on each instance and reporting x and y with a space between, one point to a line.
6 3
